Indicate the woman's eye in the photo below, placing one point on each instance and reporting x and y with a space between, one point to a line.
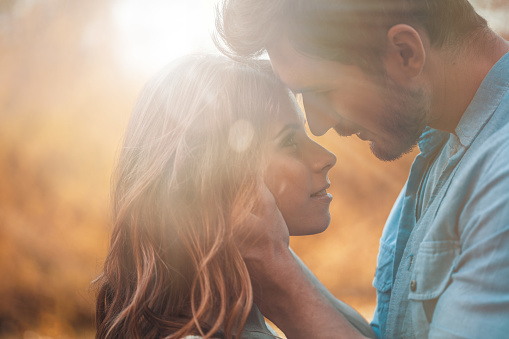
290 140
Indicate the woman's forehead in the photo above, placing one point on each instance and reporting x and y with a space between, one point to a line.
290 111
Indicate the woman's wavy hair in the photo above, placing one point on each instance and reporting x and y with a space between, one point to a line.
188 176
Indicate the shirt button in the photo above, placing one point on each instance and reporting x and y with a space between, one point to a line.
413 285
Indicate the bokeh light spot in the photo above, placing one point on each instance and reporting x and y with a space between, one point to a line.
241 135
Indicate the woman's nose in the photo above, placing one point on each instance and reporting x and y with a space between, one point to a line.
324 159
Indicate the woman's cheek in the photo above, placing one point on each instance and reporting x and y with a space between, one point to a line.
285 179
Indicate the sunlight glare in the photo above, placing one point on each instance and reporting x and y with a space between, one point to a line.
151 33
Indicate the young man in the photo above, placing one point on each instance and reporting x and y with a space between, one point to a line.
396 73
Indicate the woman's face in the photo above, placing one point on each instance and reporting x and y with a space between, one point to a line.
297 174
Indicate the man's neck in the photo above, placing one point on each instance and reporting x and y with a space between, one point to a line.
455 77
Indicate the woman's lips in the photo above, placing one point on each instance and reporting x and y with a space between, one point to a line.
322 193
319 193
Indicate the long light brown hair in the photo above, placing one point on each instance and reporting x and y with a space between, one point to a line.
188 176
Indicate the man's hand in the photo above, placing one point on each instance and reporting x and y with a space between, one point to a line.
286 293
264 239
266 230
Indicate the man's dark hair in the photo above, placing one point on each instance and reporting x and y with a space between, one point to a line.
348 31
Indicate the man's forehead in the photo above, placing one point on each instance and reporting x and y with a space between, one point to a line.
299 72
288 64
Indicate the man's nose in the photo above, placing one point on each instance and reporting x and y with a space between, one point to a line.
319 115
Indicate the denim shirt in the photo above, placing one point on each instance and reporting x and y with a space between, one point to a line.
443 267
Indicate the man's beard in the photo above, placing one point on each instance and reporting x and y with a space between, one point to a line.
404 116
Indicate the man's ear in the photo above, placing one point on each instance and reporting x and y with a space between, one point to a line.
405 55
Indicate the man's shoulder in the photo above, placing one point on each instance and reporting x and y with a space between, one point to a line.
494 146
491 146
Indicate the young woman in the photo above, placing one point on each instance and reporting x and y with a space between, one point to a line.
208 136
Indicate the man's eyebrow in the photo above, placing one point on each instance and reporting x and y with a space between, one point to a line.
295 90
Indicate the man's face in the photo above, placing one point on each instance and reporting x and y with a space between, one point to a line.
345 98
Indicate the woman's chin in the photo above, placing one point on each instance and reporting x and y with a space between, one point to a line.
300 230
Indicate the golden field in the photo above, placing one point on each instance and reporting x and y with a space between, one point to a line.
64 102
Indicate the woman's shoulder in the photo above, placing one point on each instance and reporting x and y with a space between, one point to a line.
255 327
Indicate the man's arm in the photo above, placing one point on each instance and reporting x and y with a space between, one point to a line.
353 317
285 290
286 295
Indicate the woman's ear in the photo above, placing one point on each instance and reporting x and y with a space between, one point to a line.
405 56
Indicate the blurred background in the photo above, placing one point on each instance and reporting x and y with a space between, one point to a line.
70 72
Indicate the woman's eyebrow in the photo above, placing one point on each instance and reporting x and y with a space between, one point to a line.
306 89
286 128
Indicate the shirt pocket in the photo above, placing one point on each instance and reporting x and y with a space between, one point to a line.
433 267
434 264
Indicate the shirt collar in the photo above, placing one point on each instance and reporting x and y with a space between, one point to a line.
431 140
485 102
477 114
